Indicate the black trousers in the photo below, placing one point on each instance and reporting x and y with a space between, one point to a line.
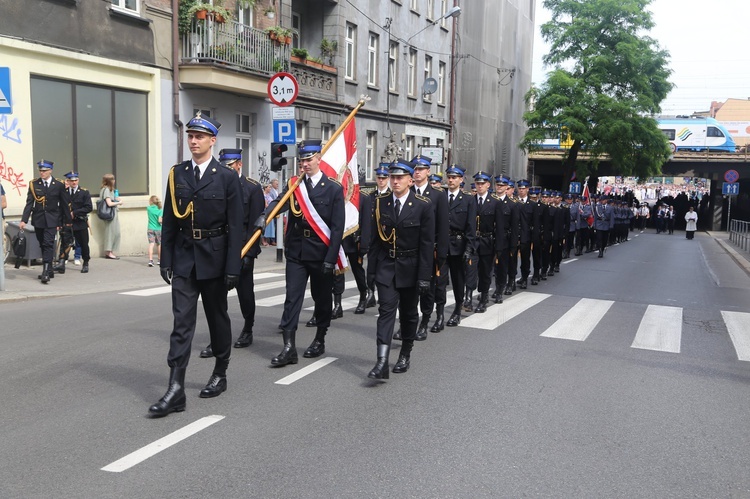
557 252
82 240
321 287
458 277
339 281
536 255
484 271
504 264
602 236
45 236
546 257
391 299
427 300
525 250
246 295
471 270
185 293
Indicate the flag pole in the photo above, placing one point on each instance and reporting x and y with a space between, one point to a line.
294 186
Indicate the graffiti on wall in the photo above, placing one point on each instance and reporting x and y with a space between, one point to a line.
15 180
10 131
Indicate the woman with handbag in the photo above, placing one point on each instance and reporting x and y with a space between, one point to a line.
112 227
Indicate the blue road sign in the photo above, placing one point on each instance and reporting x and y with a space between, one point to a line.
575 187
6 104
730 189
285 131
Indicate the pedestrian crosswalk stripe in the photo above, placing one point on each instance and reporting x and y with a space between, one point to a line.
503 312
578 322
737 325
161 290
660 329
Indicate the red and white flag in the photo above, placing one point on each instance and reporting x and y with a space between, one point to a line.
340 162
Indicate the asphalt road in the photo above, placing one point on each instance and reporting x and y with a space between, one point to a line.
502 406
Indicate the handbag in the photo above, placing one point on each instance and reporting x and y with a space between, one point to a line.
19 244
103 211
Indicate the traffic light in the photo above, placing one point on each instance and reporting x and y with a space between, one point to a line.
278 161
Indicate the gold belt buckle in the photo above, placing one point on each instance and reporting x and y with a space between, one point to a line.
306 232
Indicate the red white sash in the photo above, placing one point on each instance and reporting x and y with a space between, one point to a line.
317 223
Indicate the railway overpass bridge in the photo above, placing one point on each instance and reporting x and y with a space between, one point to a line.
545 167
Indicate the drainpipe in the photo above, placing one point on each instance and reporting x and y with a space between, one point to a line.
452 97
176 76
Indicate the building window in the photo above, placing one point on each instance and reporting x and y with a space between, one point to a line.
351 50
99 129
443 10
427 74
296 30
430 9
372 59
441 83
326 130
413 4
393 67
411 146
439 143
243 139
245 17
412 91
372 147
129 5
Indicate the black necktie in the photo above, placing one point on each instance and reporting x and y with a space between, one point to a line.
197 174
450 200
397 207
480 202
309 183
71 192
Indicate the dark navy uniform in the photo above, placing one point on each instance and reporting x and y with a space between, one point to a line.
400 262
462 226
604 221
366 220
308 255
548 234
526 225
78 201
45 205
539 216
490 239
202 236
505 267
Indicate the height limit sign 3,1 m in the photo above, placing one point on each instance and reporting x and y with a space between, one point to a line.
283 89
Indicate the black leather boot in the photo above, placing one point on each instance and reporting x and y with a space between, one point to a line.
312 322
397 334
534 280
245 339
543 276
523 284
85 267
337 311
60 267
46 271
362 305
468 301
371 301
422 329
381 370
174 399
439 319
455 318
288 354
508 290
318 346
217 383
207 352
482 305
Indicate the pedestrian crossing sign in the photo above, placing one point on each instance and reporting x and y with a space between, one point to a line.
5 97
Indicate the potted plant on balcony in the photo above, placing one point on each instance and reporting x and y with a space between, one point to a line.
300 55
270 11
279 34
328 48
204 11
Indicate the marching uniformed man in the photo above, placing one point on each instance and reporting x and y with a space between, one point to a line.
311 249
604 221
560 231
436 180
201 245
439 205
548 235
505 267
400 262
526 224
253 202
367 218
585 234
572 210
490 236
79 203
45 205
462 224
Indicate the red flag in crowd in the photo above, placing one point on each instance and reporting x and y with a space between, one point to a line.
340 162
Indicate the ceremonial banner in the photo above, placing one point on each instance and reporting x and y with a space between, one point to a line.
340 162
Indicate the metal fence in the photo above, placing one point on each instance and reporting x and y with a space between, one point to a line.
739 234
234 44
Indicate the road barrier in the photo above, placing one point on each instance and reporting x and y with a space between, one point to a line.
739 234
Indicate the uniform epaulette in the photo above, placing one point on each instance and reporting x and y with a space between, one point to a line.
438 188
83 189
335 181
468 193
422 198
252 181
385 194
496 197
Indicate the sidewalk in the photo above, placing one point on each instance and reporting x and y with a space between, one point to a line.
741 257
129 272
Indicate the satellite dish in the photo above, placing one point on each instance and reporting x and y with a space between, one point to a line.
430 86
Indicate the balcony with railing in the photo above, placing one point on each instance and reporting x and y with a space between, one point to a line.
222 56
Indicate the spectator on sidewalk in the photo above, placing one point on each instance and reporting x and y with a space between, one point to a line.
155 212
111 227
269 234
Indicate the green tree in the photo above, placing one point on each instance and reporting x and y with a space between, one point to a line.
608 78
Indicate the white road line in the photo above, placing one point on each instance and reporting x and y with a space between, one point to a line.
288 380
501 313
163 443
660 329
578 322
569 260
161 290
449 300
737 325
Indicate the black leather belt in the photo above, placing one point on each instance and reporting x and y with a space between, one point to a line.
401 253
206 233
457 234
485 234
